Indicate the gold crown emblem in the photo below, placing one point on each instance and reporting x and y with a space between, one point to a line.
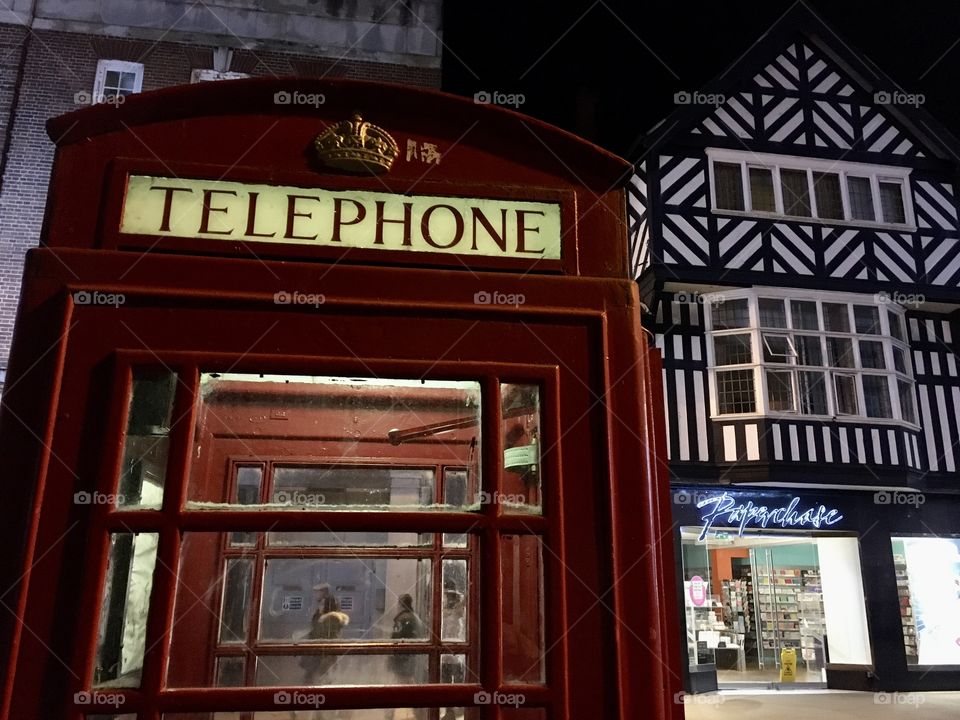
356 146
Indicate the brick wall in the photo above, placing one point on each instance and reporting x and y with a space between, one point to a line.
60 64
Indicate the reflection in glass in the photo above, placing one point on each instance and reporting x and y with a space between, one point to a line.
334 669
147 442
249 482
343 486
230 671
456 494
454 620
326 423
362 594
124 609
362 714
522 602
236 600
520 406
353 539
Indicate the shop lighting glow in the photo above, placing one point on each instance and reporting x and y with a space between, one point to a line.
724 510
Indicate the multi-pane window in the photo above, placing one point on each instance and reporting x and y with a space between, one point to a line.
116 79
809 188
842 355
368 572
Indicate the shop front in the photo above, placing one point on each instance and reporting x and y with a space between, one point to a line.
315 415
818 588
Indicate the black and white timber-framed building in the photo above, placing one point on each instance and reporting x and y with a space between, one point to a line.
795 233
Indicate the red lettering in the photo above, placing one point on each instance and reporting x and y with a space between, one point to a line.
207 209
168 204
252 218
522 229
425 226
501 238
338 216
292 216
406 222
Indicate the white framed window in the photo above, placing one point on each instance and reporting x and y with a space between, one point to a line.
208 75
117 78
809 189
776 351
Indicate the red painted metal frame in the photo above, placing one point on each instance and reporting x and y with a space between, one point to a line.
612 642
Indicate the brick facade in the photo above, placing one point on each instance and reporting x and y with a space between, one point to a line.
56 66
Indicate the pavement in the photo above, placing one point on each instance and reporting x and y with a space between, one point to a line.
822 705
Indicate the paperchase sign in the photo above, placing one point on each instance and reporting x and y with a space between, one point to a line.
234 211
726 511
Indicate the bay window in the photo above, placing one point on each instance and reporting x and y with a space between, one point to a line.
809 188
774 351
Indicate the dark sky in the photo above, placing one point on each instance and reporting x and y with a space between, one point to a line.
608 69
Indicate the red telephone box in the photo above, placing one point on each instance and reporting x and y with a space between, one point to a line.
329 400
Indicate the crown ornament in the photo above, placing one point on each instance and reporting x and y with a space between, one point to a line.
356 146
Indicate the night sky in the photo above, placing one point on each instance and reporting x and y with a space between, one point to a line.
608 69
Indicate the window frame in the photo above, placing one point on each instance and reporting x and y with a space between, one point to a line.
487 529
198 75
124 66
760 366
775 163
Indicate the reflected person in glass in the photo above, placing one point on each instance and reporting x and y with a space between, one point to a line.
327 623
406 626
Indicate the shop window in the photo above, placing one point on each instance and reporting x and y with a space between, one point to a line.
116 79
808 188
748 597
771 352
928 585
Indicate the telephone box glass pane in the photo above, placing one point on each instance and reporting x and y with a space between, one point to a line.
520 407
143 469
457 493
454 619
231 671
307 701
521 561
124 608
234 613
336 669
346 443
322 613
344 599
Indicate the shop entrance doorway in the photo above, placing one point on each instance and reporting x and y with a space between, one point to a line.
751 599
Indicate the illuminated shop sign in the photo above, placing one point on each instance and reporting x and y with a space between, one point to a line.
234 211
726 511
